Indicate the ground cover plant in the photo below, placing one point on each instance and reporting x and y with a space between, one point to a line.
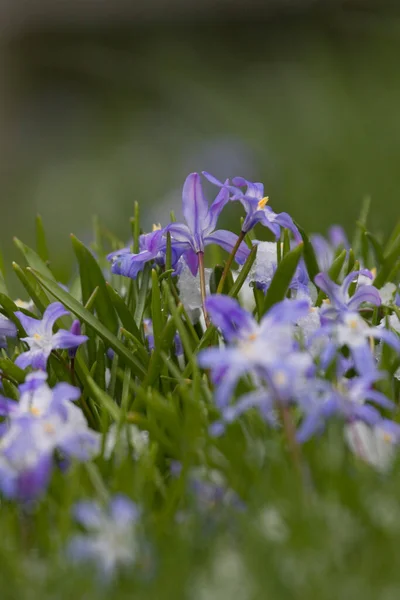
201 414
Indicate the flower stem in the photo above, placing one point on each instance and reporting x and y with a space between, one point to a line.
229 262
290 434
203 286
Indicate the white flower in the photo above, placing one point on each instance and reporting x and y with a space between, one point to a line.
387 293
189 291
374 445
265 264
129 437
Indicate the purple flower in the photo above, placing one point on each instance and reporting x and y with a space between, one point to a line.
255 205
7 329
340 300
344 325
41 340
111 541
42 421
76 330
321 401
257 349
151 247
201 220
325 248
25 463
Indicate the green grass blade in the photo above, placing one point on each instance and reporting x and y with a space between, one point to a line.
92 277
283 276
41 243
77 309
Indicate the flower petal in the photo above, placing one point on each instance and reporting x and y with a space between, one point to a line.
53 312
227 241
227 314
194 204
365 293
215 210
64 339
30 324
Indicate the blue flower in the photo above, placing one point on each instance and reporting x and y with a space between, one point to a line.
256 206
152 247
7 329
201 221
325 248
257 349
42 421
111 541
339 297
345 326
41 340
348 400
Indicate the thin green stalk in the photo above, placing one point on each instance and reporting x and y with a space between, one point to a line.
203 287
229 262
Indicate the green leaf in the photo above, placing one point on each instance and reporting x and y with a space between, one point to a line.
361 225
92 277
176 314
100 371
392 238
244 271
142 297
11 369
124 314
3 286
10 390
34 290
216 278
34 260
350 262
283 277
376 247
286 242
156 314
309 255
136 227
82 313
103 399
389 263
41 243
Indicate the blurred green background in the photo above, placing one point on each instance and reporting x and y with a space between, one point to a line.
95 117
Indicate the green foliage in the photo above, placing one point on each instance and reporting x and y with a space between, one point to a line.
330 533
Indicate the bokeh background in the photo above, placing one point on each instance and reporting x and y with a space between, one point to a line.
107 102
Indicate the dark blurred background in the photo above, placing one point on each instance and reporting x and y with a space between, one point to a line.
107 101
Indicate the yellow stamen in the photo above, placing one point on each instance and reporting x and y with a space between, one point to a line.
252 337
34 411
37 336
262 203
387 437
373 271
280 378
156 226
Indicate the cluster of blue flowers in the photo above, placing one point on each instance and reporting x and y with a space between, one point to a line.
304 334
288 353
